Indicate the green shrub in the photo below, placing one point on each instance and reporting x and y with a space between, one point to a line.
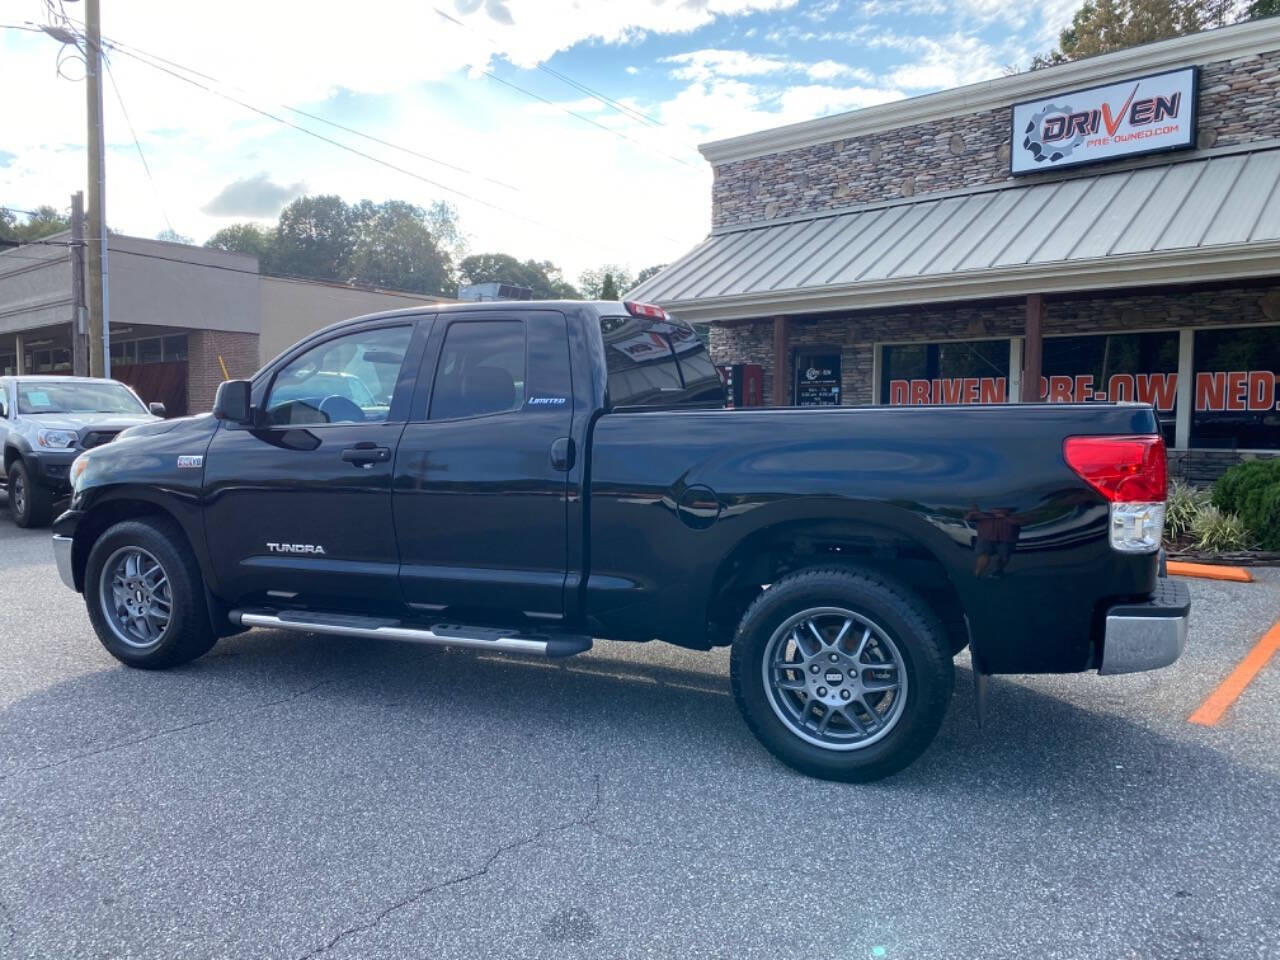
1252 490
1181 506
1215 531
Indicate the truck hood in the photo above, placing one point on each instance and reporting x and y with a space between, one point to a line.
77 421
200 423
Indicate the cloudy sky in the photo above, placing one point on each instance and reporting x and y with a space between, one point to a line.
479 102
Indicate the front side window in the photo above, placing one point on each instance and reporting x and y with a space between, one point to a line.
56 396
481 370
347 379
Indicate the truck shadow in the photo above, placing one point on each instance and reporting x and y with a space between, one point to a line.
618 708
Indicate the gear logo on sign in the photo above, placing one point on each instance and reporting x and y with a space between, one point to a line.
1034 143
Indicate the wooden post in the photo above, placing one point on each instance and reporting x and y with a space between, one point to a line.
782 372
79 332
1032 349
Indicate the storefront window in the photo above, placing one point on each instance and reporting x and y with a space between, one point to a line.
175 347
1237 397
1117 366
971 371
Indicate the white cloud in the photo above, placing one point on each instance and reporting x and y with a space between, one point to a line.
708 64
951 61
831 70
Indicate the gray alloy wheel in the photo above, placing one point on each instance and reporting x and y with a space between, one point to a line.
137 602
835 678
18 492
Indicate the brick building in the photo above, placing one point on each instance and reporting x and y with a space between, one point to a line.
1104 229
181 315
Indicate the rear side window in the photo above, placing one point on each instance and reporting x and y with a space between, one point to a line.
481 370
657 366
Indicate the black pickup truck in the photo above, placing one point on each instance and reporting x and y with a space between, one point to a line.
525 477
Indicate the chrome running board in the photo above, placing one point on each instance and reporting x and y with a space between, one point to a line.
440 634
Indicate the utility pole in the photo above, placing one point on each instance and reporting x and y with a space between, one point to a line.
79 348
99 303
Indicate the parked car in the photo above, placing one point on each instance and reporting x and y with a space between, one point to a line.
45 422
525 477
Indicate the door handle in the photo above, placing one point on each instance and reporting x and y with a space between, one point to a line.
562 454
366 454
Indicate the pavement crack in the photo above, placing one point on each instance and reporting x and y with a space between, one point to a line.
167 731
585 820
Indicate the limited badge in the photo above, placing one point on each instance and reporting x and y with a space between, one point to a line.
192 462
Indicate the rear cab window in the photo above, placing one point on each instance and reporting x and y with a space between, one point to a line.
658 364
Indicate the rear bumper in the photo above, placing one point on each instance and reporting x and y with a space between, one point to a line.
1150 634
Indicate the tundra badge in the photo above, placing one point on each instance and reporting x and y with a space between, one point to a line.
295 548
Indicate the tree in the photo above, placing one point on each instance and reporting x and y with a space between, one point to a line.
609 288
41 222
394 248
592 282
442 221
173 236
1261 8
247 238
648 272
390 244
316 237
1100 26
541 276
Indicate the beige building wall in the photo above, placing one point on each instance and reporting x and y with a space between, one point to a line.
291 309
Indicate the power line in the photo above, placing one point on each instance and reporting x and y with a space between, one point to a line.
155 189
589 91
124 48
573 113
340 145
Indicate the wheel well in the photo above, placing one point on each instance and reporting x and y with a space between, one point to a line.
769 555
93 524
10 454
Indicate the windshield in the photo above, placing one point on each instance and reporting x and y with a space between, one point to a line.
71 397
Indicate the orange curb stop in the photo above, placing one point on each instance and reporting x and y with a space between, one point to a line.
1210 712
1208 571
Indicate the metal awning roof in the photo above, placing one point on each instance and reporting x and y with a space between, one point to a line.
1200 219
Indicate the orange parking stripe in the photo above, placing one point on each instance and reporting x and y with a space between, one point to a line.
1210 712
1209 571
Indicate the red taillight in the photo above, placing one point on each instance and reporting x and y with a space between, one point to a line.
1132 469
649 310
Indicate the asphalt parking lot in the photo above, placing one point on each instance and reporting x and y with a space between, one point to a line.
294 796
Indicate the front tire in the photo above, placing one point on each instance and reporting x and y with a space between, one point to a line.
145 595
842 674
30 502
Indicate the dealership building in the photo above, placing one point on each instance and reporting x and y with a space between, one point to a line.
1107 229
182 318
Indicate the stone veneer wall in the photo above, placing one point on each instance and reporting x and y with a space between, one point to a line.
1239 103
239 351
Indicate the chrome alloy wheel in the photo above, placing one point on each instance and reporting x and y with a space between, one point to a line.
834 678
18 491
135 595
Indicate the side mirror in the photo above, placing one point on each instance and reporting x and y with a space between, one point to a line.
157 409
232 401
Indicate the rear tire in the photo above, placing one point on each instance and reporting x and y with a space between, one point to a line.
30 503
145 595
842 674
